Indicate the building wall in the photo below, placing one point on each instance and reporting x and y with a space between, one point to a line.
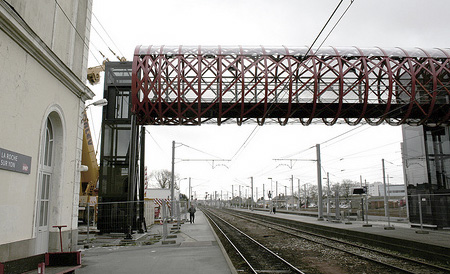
36 84
392 190
49 20
373 189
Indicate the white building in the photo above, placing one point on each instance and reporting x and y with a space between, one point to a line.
43 63
392 190
373 188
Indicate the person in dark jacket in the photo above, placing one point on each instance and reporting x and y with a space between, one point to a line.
191 211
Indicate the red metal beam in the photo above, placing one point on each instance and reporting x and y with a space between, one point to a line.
193 85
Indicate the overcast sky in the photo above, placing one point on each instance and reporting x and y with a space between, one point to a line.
367 23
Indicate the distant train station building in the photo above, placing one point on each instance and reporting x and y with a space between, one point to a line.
43 68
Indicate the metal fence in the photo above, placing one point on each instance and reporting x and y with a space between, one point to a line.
113 217
430 210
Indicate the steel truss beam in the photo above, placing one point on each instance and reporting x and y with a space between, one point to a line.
193 85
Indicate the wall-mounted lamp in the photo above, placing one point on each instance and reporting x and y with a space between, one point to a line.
101 103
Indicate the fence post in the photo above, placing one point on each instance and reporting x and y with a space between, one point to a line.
337 208
366 211
164 217
178 215
421 231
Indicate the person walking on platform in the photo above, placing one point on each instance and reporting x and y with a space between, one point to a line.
191 211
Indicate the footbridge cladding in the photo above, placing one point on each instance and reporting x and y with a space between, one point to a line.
190 85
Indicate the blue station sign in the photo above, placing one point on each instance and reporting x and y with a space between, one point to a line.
13 161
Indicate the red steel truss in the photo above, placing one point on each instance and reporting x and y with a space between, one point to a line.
180 85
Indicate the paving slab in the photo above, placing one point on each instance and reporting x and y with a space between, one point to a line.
195 250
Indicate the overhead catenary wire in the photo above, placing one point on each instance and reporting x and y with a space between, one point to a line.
323 28
315 40
156 142
351 3
244 143
201 151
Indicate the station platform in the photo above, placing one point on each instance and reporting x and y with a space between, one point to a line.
402 230
195 250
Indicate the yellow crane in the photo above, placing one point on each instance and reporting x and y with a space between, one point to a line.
89 178
93 73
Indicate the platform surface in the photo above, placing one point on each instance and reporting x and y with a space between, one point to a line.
195 251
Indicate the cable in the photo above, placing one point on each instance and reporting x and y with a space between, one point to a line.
157 144
342 134
240 148
106 44
82 39
107 34
317 37
351 3
295 153
200 151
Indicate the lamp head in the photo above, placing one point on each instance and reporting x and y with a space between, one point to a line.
101 102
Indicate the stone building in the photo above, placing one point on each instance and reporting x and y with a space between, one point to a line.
43 64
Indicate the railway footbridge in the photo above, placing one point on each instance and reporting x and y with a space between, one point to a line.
191 85
182 85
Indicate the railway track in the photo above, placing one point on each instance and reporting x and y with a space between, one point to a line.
255 257
387 259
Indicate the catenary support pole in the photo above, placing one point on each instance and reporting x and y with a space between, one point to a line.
328 196
142 224
319 184
131 176
190 194
386 201
276 194
172 182
251 199
299 200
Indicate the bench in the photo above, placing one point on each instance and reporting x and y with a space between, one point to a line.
48 263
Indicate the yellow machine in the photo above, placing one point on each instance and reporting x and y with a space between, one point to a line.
89 178
93 73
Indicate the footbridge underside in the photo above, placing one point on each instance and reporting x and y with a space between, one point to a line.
185 85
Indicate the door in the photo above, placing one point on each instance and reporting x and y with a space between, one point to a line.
43 202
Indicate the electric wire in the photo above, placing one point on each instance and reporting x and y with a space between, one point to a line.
201 151
315 40
241 147
156 142
351 3
323 28
73 26
107 34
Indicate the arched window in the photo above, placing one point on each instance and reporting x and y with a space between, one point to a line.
45 178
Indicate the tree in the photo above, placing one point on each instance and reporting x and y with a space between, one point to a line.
345 188
164 177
